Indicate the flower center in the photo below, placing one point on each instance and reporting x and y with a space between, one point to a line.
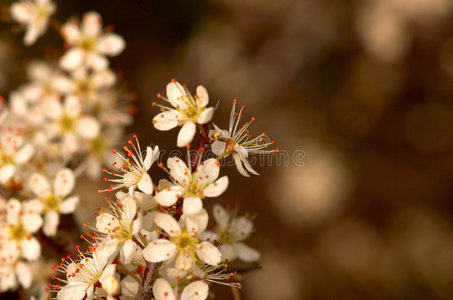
87 44
18 232
52 203
229 146
186 242
67 123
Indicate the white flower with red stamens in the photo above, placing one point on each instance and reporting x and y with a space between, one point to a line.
84 274
183 245
231 231
16 232
186 111
34 15
55 200
134 169
239 142
197 290
89 45
13 152
120 225
192 186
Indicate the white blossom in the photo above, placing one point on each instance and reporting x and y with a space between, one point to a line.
82 275
192 186
183 244
119 227
89 44
16 232
133 171
53 200
34 15
231 231
239 142
185 111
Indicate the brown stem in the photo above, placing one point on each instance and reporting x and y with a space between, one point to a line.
145 290
203 140
3 193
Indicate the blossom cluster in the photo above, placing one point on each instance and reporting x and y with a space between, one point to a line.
59 124
153 236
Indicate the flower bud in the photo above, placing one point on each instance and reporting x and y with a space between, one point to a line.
111 286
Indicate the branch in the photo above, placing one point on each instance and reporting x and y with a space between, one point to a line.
146 288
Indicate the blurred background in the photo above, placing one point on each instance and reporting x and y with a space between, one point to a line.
358 96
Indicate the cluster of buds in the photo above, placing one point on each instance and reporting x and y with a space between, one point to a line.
153 237
59 124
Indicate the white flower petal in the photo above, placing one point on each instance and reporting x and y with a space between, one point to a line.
72 59
167 120
109 270
24 154
208 253
21 12
249 167
24 274
162 290
238 162
221 216
151 156
31 249
64 182
88 127
129 287
33 206
192 205
96 61
71 32
127 252
185 135
218 147
179 170
228 252
51 220
39 185
246 253
69 205
203 97
206 115
145 184
176 95
208 171
110 44
196 223
168 223
33 32
184 261
32 222
91 24
169 196
215 189
74 291
241 227
6 172
159 250
197 290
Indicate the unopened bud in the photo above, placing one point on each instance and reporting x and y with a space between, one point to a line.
111 286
